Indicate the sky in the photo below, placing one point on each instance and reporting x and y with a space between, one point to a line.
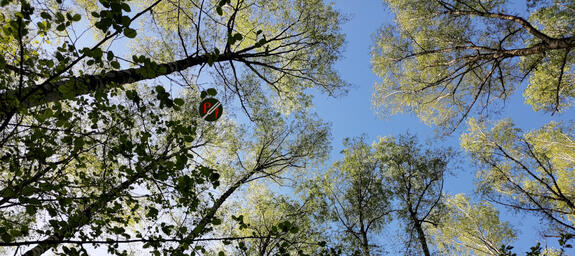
353 115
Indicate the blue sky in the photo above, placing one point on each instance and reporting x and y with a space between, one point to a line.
353 115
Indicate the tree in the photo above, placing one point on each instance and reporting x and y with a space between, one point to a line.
278 224
530 172
415 175
375 184
87 156
294 51
444 60
470 229
353 194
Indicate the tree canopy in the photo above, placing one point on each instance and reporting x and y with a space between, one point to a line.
447 60
392 179
102 148
462 60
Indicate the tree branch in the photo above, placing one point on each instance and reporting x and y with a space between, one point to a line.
110 241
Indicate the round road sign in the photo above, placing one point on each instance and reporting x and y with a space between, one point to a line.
210 109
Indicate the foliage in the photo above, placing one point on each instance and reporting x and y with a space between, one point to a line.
445 60
526 171
277 224
415 174
353 195
537 250
470 229
90 159
449 61
78 171
375 184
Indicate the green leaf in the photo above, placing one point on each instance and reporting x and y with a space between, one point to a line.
31 210
261 42
27 191
118 230
79 142
6 237
219 11
126 7
130 33
179 101
211 60
126 21
45 15
110 55
97 53
231 40
59 17
214 176
294 230
212 92
152 213
66 90
115 64
160 89
76 17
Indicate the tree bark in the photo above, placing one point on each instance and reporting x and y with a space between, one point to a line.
364 242
420 235
48 91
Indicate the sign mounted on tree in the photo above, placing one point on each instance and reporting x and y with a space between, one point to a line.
210 109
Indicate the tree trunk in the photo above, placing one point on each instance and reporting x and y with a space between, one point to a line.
363 231
364 243
421 236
